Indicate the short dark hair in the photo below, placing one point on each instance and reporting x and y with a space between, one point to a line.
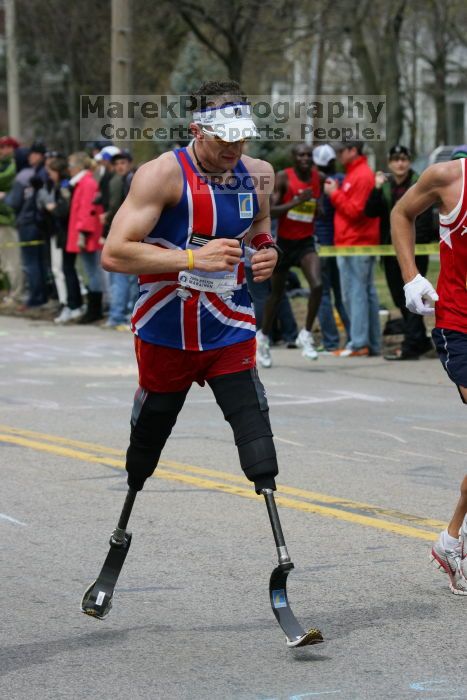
123 155
352 144
59 165
209 92
302 144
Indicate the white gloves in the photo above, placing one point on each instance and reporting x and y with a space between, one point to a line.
415 291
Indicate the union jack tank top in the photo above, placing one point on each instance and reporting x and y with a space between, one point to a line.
168 314
451 309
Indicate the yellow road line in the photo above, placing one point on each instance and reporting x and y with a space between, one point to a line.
324 511
60 440
313 495
225 476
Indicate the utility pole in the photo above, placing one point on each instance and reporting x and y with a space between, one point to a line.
120 73
14 122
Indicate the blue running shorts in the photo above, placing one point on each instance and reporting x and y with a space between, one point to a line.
452 351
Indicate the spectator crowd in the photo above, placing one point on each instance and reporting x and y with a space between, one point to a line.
56 211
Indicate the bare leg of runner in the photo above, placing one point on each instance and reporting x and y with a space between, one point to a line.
460 511
263 351
461 508
312 270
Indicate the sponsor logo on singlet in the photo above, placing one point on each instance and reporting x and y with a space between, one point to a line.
245 205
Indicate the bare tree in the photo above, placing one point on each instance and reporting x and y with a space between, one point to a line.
62 54
440 35
224 27
373 30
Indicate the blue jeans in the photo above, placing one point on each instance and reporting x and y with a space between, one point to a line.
123 294
259 292
331 285
361 301
93 270
34 265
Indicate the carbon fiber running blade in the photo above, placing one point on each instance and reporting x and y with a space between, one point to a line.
296 635
97 599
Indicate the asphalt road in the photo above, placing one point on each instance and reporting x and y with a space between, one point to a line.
371 456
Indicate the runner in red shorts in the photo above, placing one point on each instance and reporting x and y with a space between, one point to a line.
184 229
444 183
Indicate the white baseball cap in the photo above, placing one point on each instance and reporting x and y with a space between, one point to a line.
322 155
106 153
230 122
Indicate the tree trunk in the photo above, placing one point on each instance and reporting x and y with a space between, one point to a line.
394 112
440 101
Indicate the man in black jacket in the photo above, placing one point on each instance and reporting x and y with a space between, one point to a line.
387 191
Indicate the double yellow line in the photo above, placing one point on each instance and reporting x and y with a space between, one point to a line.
287 496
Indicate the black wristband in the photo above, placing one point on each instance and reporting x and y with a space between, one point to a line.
276 248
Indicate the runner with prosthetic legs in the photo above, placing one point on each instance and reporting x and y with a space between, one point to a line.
183 229
444 184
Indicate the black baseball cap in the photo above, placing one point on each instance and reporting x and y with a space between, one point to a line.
38 147
399 150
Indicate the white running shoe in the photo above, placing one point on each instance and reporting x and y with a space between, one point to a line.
263 351
449 561
76 314
306 342
64 316
67 315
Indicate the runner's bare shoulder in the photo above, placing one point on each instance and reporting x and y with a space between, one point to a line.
262 169
440 175
159 179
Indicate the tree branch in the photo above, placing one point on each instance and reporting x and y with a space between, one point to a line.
202 37
185 7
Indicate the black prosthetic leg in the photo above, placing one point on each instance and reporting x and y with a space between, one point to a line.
295 634
242 399
97 599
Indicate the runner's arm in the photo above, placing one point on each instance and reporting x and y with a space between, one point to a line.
139 213
263 261
416 200
156 185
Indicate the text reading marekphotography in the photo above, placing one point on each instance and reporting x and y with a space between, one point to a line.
290 118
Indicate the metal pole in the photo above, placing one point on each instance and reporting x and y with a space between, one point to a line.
12 78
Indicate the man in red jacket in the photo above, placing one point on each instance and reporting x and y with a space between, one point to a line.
353 228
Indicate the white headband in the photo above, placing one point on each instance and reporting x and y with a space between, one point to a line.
230 123
222 114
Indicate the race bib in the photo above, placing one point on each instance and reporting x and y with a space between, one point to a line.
216 282
304 212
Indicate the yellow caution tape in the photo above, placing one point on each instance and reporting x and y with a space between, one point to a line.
21 244
330 251
325 251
